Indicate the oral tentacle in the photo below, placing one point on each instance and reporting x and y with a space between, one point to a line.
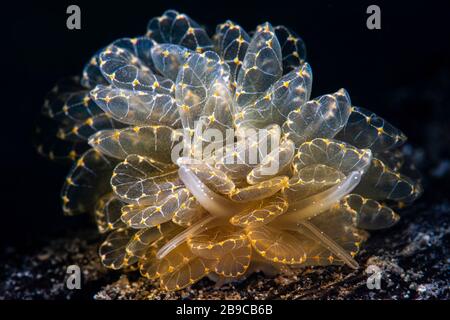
330 244
215 204
320 202
200 226
219 207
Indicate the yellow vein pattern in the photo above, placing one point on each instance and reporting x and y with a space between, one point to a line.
108 212
141 241
334 154
292 48
68 102
82 130
154 142
231 43
312 179
261 67
124 70
137 108
260 190
178 28
287 94
196 83
276 245
369 214
382 183
87 181
169 58
142 181
164 207
365 129
265 211
323 117
113 251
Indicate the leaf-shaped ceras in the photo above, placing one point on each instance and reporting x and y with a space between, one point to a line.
153 190
289 93
155 142
367 130
368 213
124 70
168 59
251 150
292 47
296 185
320 118
108 212
196 83
176 28
228 245
87 182
68 116
262 66
232 42
137 108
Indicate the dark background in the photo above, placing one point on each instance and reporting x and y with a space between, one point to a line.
401 72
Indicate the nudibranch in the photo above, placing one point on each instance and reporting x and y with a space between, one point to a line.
297 184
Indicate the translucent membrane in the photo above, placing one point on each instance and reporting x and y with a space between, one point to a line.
218 207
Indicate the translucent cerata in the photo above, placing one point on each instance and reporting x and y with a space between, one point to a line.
336 169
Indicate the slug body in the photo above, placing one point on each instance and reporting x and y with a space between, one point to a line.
297 185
